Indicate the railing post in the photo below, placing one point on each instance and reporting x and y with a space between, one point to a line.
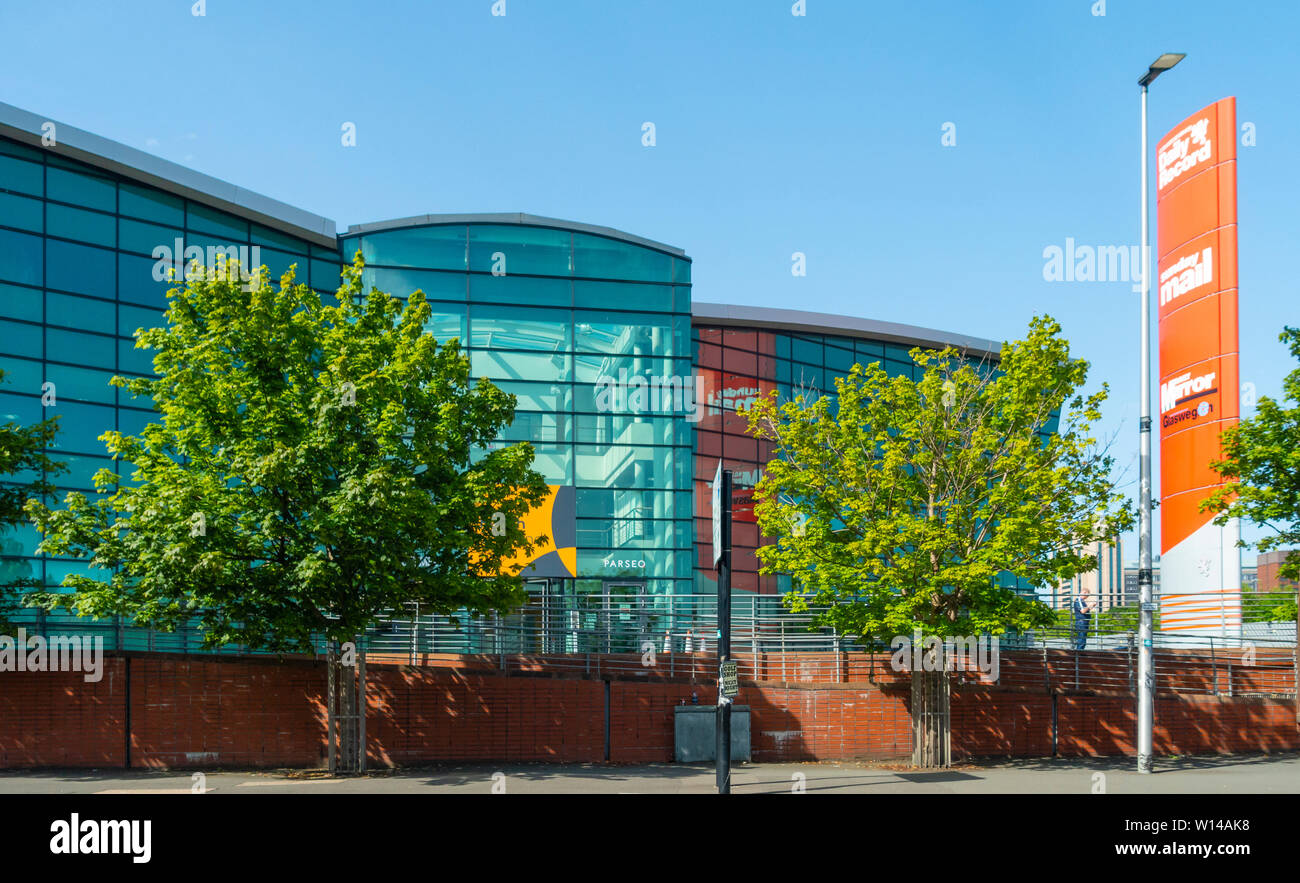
1131 684
1214 665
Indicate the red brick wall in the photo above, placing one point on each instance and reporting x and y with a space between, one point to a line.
192 711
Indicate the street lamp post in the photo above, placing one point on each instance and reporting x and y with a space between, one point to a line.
1146 670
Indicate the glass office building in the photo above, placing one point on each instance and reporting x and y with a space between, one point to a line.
626 387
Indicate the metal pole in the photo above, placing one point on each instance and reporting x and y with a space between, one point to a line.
723 753
1146 679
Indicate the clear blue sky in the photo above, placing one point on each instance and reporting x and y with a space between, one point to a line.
775 134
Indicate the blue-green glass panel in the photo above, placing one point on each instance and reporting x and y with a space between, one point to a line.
79 312
436 248
143 238
81 470
265 236
512 328
520 290
20 211
531 396
623 333
81 425
133 360
446 321
22 376
12 148
132 422
80 268
600 258
66 185
151 205
136 283
86 384
207 220
86 349
511 249
325 275
17 302
129 319
681 271
81 224
625 295
540 366
17 339
402 283
20 257
24 177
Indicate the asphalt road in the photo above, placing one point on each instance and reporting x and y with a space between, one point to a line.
1250 774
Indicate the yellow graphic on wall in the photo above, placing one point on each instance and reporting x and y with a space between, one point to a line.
554 519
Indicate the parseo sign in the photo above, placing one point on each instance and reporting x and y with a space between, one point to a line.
1196 251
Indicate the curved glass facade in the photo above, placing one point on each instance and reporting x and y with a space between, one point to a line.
627 405
573 324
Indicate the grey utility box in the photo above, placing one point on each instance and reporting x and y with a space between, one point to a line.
695 733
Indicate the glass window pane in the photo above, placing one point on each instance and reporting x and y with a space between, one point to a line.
402 283
80 312
510 250
446 321
77 223
20 257
143 238
22 150
17 339
200 217
68 186
81 469
602 295
24 177
520 366
21 376
81 425
84 349
21 409
325 275
511 328
597 257
17 302
151 205
132 422
132 360
520 290
265 236
546 397
81 383
437 248
129 319
20 211
136 284
80 268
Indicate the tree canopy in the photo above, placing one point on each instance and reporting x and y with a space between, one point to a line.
901 503
314 463
1261 468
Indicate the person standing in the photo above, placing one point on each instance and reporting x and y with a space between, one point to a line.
1083 608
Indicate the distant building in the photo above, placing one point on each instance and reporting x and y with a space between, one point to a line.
1267 566
1250 579
1105 584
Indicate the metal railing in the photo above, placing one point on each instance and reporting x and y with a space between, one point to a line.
675 636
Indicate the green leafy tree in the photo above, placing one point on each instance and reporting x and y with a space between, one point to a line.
1261 470
313 466
25 470
900 504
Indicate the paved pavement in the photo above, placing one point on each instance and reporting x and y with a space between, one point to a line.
1250 774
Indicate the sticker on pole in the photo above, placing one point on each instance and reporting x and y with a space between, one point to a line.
728 684
717 516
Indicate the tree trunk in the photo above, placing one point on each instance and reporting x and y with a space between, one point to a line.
345 697
931 719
